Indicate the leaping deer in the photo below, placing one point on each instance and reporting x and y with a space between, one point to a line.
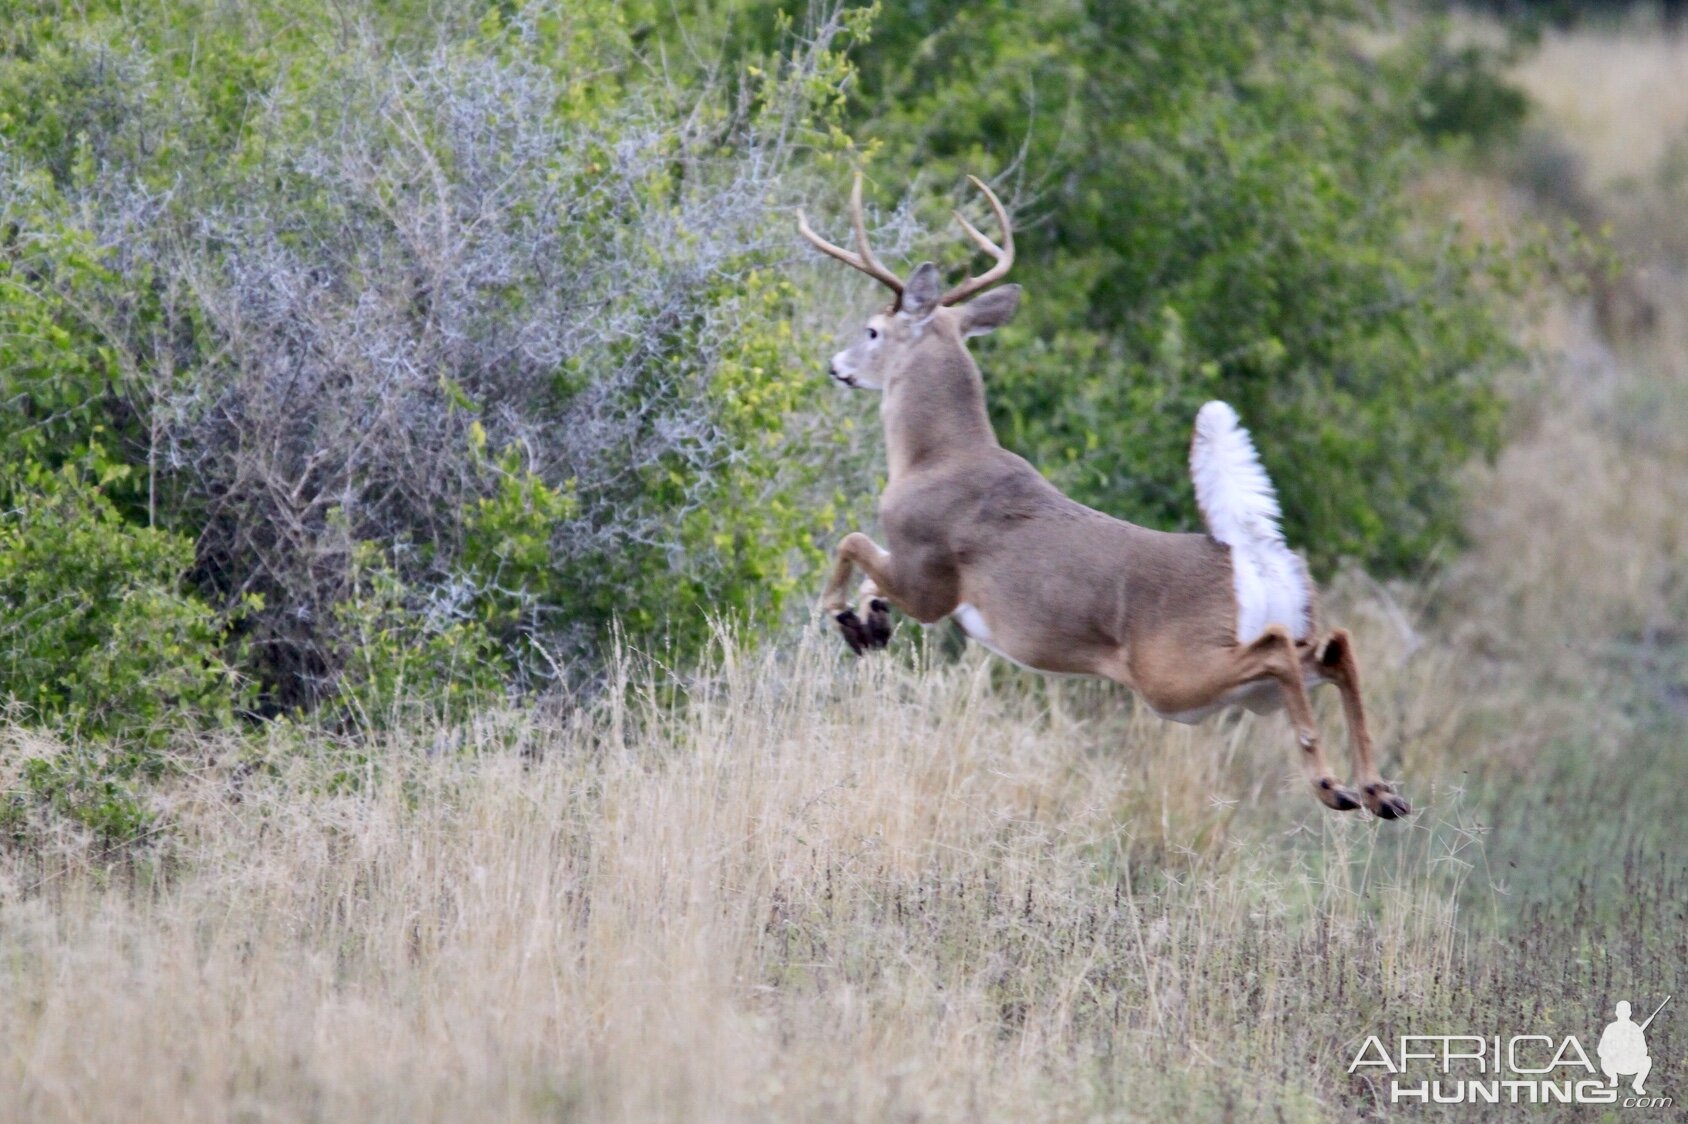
1192 623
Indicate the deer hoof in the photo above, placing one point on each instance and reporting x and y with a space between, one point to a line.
854 631
1333 794
878 623
1383 803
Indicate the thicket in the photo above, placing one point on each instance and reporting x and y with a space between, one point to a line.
444 343
1215 200
402 355
1565 13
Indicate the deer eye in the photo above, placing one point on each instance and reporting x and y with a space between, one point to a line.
873 333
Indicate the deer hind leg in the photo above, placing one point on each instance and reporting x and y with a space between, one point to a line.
1276 652
859 551
1336 662
1178 682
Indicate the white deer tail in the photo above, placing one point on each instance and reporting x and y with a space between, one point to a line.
1241 509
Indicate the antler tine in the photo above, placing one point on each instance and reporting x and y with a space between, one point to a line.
1004 254
870 264
823 245
864 259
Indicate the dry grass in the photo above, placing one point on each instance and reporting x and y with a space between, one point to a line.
1618 96
814 890
803 888
1584 532
1582 526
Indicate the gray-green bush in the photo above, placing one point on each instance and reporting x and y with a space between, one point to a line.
515 333
449 335
1215 205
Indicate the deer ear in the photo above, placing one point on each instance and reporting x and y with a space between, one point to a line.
989 312
921 292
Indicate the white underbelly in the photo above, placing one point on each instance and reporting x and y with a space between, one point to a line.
973 623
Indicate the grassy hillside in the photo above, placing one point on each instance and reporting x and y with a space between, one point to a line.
811 888
823 889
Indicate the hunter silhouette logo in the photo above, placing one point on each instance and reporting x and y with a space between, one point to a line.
1521 1069
1623 1047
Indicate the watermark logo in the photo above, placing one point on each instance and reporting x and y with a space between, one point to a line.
1623 1047
1520 1069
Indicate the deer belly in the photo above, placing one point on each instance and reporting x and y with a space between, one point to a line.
978 630
973 623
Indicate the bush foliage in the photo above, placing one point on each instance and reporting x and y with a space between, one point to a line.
97 632
447 311
410 352
1214 204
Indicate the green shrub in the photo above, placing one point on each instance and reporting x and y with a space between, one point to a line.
1462 92
1214 204
405 648
68 399
315 270
450 335
94 787
97 635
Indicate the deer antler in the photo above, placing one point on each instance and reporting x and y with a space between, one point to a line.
1004 254
863 259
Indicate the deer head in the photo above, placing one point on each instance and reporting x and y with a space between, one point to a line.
920 309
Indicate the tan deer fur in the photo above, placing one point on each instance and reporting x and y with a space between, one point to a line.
976 533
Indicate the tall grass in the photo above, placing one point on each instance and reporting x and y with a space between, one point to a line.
799 888
1617 96
805 889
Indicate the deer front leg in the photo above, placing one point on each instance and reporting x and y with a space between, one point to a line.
857 550
1336 662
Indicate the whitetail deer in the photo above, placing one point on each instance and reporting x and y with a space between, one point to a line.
1192 623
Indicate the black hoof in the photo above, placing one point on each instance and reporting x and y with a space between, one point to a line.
1336 796
854 631
1384 804
878 623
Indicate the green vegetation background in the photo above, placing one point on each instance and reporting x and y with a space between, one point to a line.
346 363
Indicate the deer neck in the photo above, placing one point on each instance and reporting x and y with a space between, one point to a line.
937 409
